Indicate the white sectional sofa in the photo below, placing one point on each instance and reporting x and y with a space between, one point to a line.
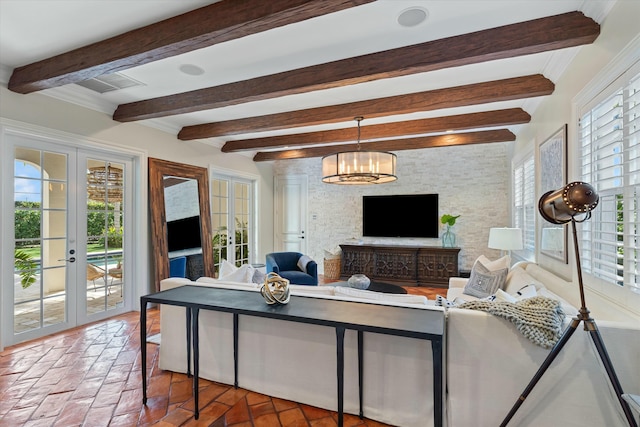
296 361
488 362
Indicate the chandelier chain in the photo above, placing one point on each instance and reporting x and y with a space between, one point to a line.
358 119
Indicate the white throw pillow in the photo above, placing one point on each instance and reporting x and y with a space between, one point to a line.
498 264
529 291
518 279
226 268
230 272
303 261
503 296
484 282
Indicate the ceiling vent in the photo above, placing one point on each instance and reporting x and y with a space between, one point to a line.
109 83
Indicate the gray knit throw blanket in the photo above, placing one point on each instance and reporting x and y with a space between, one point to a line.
538 318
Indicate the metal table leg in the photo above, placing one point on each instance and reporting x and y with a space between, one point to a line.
360 369
196 359
436 349
235 350
340 366
143 347
188 311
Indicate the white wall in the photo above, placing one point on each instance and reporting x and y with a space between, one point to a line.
472 181
620 27
62 117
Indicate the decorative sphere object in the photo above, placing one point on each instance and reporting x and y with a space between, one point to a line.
359 281
275 289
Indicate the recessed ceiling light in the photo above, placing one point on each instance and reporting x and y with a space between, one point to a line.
413 16
192 70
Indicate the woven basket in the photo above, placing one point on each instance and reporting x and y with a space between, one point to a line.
332 268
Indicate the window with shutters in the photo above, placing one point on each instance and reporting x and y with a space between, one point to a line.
524 202
610 161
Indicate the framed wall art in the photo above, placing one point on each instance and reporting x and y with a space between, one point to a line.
553 176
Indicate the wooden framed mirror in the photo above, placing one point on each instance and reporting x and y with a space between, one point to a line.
180 218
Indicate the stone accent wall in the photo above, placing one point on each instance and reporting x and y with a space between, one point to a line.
472 181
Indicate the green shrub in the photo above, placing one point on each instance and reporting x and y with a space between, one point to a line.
113 239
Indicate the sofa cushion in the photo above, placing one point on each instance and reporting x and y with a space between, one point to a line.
217 283
303 261
205 279
484 282
311 290
379 296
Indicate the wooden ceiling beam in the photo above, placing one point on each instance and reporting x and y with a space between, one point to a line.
480 137
525 38
220 22
459 96
513 116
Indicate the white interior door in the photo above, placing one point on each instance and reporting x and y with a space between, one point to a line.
50 288
290 214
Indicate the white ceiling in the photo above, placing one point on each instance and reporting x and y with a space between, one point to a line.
31 30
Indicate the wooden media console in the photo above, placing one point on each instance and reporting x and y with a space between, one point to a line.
404 265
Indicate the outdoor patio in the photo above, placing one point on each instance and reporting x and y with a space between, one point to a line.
27 309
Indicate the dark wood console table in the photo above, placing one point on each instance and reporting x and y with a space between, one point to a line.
405 265
341 315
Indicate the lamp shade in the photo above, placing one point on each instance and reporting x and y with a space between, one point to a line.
359 167
104 183
506 239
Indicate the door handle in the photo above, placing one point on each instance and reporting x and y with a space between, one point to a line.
302 237
72 259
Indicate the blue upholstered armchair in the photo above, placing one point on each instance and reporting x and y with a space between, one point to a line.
287 265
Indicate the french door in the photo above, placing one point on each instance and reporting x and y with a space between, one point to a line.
232 219
70 210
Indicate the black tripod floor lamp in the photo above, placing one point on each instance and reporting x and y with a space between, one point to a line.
561 207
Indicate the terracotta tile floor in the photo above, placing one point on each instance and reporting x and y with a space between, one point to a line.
90 376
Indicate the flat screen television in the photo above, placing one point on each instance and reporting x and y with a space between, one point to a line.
184 234
411 215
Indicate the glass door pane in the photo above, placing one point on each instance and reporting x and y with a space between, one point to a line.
231 218
220 220
40 239
241 192
104 236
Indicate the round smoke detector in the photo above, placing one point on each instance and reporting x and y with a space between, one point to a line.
412 17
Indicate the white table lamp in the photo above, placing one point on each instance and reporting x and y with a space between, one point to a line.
505 239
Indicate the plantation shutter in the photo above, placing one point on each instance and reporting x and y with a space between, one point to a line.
524 204
610 161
